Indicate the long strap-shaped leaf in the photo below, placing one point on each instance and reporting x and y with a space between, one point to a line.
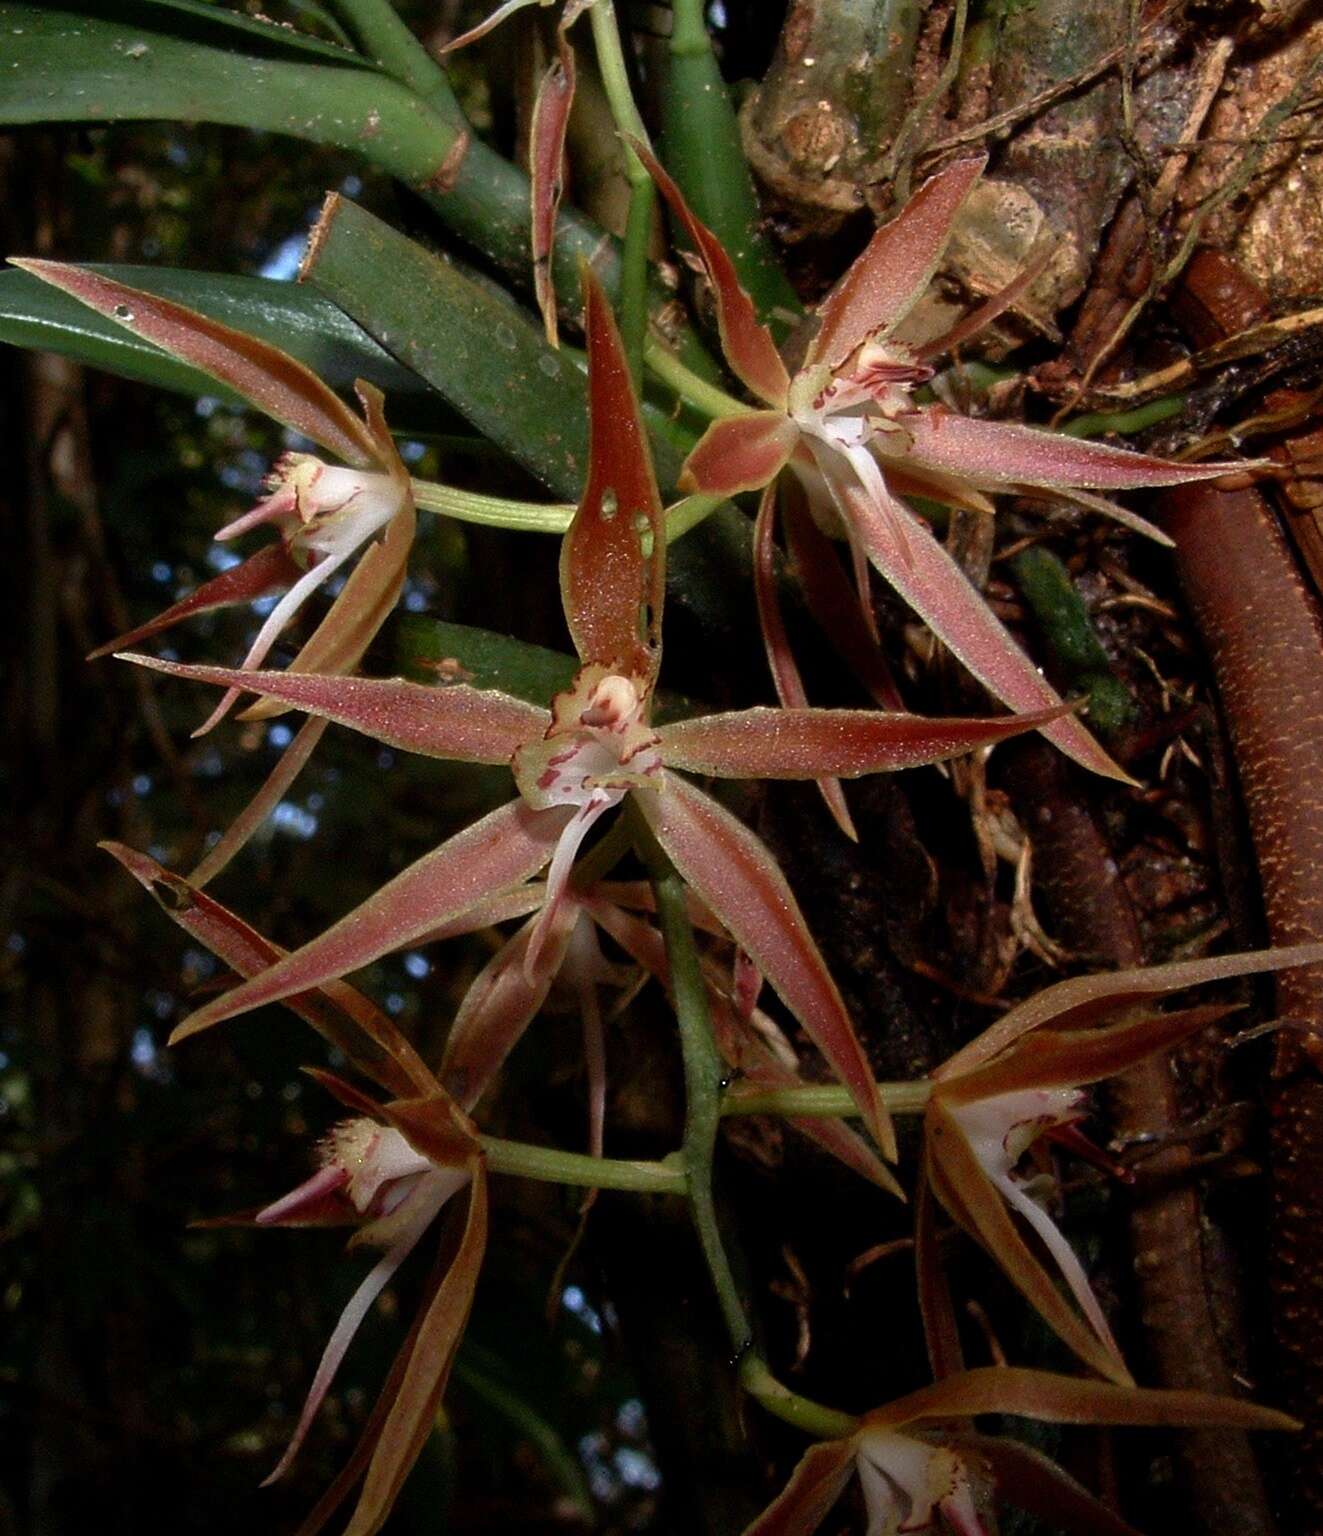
737 877
494 855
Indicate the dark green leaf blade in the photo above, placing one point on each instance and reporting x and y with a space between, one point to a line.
36 315
135 60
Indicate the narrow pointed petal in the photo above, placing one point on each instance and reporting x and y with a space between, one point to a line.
270 570
1082 1000
459 723
831 602
411 1416
785 674
937 589
898 263
611 584
1004 453
1054 1399
277 785
941 1331
272 380
1055 1058
551 118
275 622
806 743
1107 509
493 855
814 1486
350 1320
736 876
963 1187
498 1007
747 343
338 1012
740 453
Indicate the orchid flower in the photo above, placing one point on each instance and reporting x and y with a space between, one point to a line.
1021 1083
848 427
596 745
325 514
391 1170
921 1469
388 1171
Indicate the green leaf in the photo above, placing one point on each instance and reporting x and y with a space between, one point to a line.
35 314
478 350
427 648
134 60
702 150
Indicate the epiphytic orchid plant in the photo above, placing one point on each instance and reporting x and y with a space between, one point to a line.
848 427
836 443
596 746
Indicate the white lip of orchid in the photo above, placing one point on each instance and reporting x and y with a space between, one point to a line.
376 1158
322 509
907 1481
598 748
401 1192
860 401
1000 1130
325 515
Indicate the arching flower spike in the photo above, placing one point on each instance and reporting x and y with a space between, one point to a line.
598 744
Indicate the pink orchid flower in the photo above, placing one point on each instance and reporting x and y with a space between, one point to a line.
325 514
1020 1086
848 428
921 1469
389 1171
596 745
